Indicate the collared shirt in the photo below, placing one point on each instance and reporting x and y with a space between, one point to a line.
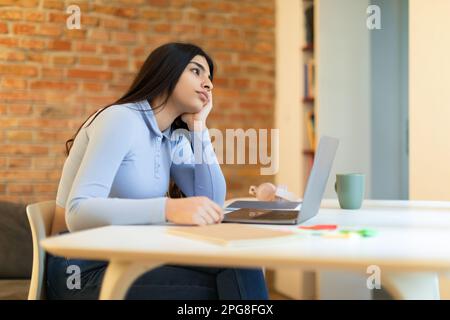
119 168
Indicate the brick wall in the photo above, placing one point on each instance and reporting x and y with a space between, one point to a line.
51 77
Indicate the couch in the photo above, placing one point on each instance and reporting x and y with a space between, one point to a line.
16 251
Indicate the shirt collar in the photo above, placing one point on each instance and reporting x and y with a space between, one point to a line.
153 124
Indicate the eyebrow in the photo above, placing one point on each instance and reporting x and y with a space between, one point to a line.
201 67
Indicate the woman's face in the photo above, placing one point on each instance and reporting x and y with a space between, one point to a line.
193 90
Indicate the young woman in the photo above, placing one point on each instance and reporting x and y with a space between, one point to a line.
131 163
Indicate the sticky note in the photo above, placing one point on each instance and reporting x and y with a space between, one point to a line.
320 227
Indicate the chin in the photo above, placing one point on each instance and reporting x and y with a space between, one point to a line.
195 107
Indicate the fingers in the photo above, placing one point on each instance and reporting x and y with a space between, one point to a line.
208 216
213 214
218 209
200 220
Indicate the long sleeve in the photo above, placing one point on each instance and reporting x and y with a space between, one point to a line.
195 168
110 139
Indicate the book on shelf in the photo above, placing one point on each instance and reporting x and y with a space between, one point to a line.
309 80
310 131
309 23
231 234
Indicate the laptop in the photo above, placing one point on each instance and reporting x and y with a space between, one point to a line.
315 188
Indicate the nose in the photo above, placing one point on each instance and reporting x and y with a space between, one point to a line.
207 84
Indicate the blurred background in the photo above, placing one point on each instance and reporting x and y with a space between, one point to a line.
52 77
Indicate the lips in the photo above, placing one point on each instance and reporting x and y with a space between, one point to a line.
203 96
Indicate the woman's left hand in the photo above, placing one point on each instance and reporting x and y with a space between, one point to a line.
197 121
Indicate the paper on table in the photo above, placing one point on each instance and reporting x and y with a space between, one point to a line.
230 234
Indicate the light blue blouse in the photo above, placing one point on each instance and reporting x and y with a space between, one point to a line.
119 167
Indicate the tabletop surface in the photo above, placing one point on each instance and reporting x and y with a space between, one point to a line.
410 236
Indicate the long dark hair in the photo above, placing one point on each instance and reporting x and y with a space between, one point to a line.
158 76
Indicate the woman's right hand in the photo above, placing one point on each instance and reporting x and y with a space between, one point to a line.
193 210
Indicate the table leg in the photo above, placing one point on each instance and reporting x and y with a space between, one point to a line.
411 286
120 276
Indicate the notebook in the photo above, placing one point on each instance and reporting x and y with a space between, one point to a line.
232 234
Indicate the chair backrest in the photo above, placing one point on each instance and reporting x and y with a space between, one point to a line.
40 215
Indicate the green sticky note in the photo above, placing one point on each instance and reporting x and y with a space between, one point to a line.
367 233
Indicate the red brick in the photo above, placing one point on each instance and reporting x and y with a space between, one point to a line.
112 24
162 27
58 17
32 44
3 28
118 63
158 3
34 16
53 85
19 163
89 74
185 28
88 21
138 26
54 73
113 50
12 55
97 87
21 109
24 28
53 4
39 57
42 123
50 30
124 37
9 42
10 14
18 70
60 45
211 32
64 60
20 188
45 187
74 34
18 135
85 47
13 83
98 35
13 149
150 14
90 60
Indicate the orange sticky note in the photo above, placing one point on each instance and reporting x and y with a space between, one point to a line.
320 227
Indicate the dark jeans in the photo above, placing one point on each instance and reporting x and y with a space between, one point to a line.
165 282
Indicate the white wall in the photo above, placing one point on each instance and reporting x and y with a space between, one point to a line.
343 65
429 95
429 104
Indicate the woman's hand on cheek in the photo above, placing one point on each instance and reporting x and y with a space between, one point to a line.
197 121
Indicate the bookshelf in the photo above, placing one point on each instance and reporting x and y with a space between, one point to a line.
307 62
295 104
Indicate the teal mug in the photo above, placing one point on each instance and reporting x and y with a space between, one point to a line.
350 190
